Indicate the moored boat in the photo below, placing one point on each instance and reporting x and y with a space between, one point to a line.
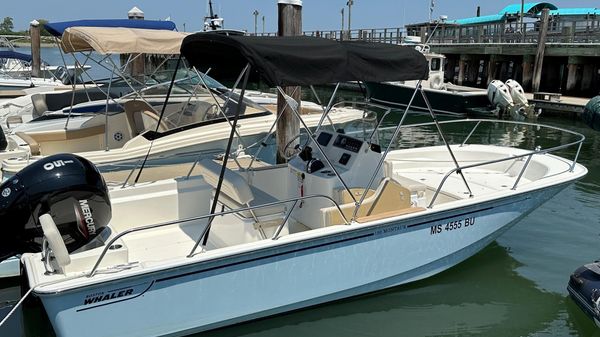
444 98
345 216
584 288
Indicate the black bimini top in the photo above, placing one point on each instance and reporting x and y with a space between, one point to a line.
302 60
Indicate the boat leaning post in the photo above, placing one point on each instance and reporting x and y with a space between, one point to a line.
204 237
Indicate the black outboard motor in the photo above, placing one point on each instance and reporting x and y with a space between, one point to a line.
3 142
67 187
584 288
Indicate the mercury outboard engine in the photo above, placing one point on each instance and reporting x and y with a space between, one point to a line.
67 187
3 142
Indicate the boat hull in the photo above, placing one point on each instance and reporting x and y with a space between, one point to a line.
583 288
442 101
232 289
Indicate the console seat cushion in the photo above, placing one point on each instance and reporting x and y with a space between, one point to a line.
236 192
389 196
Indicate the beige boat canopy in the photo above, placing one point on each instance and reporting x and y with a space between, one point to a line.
111 40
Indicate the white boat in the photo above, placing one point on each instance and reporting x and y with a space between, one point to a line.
15 73
192 121
230 245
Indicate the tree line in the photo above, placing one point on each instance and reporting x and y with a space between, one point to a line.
7 27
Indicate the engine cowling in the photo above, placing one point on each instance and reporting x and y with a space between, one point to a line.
499 95
67 187
517 93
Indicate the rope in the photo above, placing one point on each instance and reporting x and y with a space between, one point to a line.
12 311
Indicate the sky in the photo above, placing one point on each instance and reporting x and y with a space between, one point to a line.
316 14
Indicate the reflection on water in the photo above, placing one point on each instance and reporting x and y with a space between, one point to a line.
515 287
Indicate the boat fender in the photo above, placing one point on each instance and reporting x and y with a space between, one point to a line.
591 113
3 142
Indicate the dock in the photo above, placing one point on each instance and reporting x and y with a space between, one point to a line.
558 105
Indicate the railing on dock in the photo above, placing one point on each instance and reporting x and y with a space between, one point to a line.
558 32
383 35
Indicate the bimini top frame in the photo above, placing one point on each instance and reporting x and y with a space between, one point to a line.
302 61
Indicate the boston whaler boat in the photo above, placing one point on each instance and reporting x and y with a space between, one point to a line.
343 217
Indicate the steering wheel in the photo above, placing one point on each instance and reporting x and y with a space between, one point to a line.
289 152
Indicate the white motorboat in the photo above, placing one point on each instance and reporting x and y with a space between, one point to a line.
15 73
101 132
343 217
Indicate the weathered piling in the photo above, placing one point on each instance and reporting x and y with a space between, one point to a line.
288 126
36 62
539 56
138 65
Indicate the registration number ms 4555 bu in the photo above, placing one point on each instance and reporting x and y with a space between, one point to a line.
452 225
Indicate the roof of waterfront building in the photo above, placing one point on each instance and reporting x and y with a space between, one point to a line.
575 11
531 9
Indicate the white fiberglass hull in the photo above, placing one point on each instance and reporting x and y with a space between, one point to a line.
213 136
343 262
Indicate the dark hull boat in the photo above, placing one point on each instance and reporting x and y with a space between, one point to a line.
584 288
456 101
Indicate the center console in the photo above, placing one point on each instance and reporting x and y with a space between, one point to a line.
310 173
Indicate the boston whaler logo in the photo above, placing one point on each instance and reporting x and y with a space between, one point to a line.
105 296
109 296
85 219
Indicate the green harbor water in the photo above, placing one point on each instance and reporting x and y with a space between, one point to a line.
514 287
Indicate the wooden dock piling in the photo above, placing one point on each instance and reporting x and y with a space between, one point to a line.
288 126
539 56
36 62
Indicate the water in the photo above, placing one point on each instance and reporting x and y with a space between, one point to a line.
514 287
53 56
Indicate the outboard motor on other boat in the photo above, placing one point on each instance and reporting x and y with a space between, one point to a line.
499 96
68 188
523 108
509 100
584 288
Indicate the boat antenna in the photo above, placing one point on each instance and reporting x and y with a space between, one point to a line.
164 107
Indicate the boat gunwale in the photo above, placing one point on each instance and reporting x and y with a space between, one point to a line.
301 238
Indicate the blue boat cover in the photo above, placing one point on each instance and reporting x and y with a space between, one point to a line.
57 28
8 54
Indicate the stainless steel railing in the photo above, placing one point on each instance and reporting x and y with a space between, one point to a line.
206 216
527 156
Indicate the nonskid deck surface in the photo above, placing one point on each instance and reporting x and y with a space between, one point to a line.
432 166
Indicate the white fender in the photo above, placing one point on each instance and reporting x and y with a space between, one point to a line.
517 93
55 240
499 95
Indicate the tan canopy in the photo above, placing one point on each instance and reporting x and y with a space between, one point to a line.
110 40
